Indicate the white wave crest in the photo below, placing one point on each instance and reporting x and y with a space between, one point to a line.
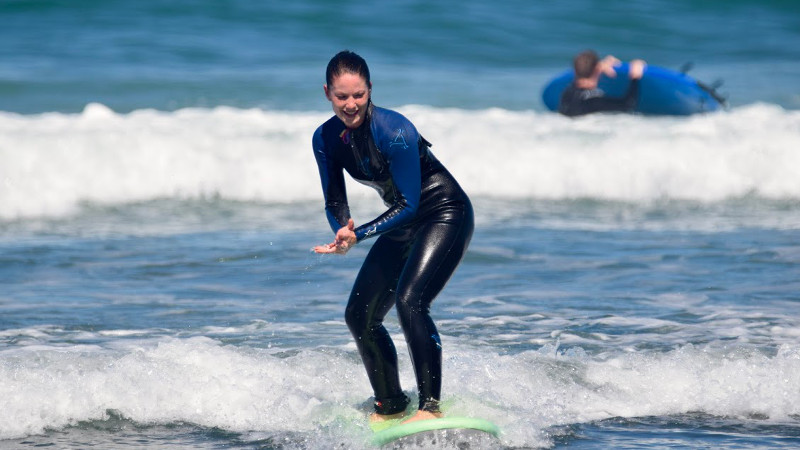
50 163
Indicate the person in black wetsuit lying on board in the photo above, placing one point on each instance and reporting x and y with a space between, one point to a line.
421 237
582 96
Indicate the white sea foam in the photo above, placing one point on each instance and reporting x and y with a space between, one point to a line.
50 163
200 381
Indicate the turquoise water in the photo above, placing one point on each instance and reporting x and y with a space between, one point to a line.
632 282
59 55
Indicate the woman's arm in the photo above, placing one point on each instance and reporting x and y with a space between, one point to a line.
398 142
331 176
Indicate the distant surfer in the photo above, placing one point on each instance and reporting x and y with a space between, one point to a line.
421 237
583 96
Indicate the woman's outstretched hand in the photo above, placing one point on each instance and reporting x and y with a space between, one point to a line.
345 239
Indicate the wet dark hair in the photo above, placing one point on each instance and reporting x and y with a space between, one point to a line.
347 62
585 63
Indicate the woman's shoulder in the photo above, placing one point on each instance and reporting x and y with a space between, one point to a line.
327 133
332 123
392 130
389 118
330 126
378 111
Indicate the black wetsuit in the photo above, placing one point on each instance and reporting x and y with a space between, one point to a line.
577 102
422 237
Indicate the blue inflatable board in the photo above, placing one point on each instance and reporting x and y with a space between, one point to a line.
661 91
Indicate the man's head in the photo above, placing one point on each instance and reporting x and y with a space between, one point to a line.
585 64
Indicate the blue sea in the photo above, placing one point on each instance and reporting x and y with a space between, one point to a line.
633 281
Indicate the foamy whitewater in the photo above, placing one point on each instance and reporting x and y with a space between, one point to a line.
201 381
52 162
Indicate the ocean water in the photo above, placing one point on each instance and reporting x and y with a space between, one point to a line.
633 281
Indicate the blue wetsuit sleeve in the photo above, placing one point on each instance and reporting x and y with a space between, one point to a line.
398 141
337 210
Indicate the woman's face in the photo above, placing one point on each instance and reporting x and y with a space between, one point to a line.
349 95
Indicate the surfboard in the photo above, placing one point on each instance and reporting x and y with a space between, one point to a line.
662 91
392 432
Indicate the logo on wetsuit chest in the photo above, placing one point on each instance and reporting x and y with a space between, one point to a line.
399 139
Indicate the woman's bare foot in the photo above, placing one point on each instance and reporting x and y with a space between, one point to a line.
423 415
375 417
